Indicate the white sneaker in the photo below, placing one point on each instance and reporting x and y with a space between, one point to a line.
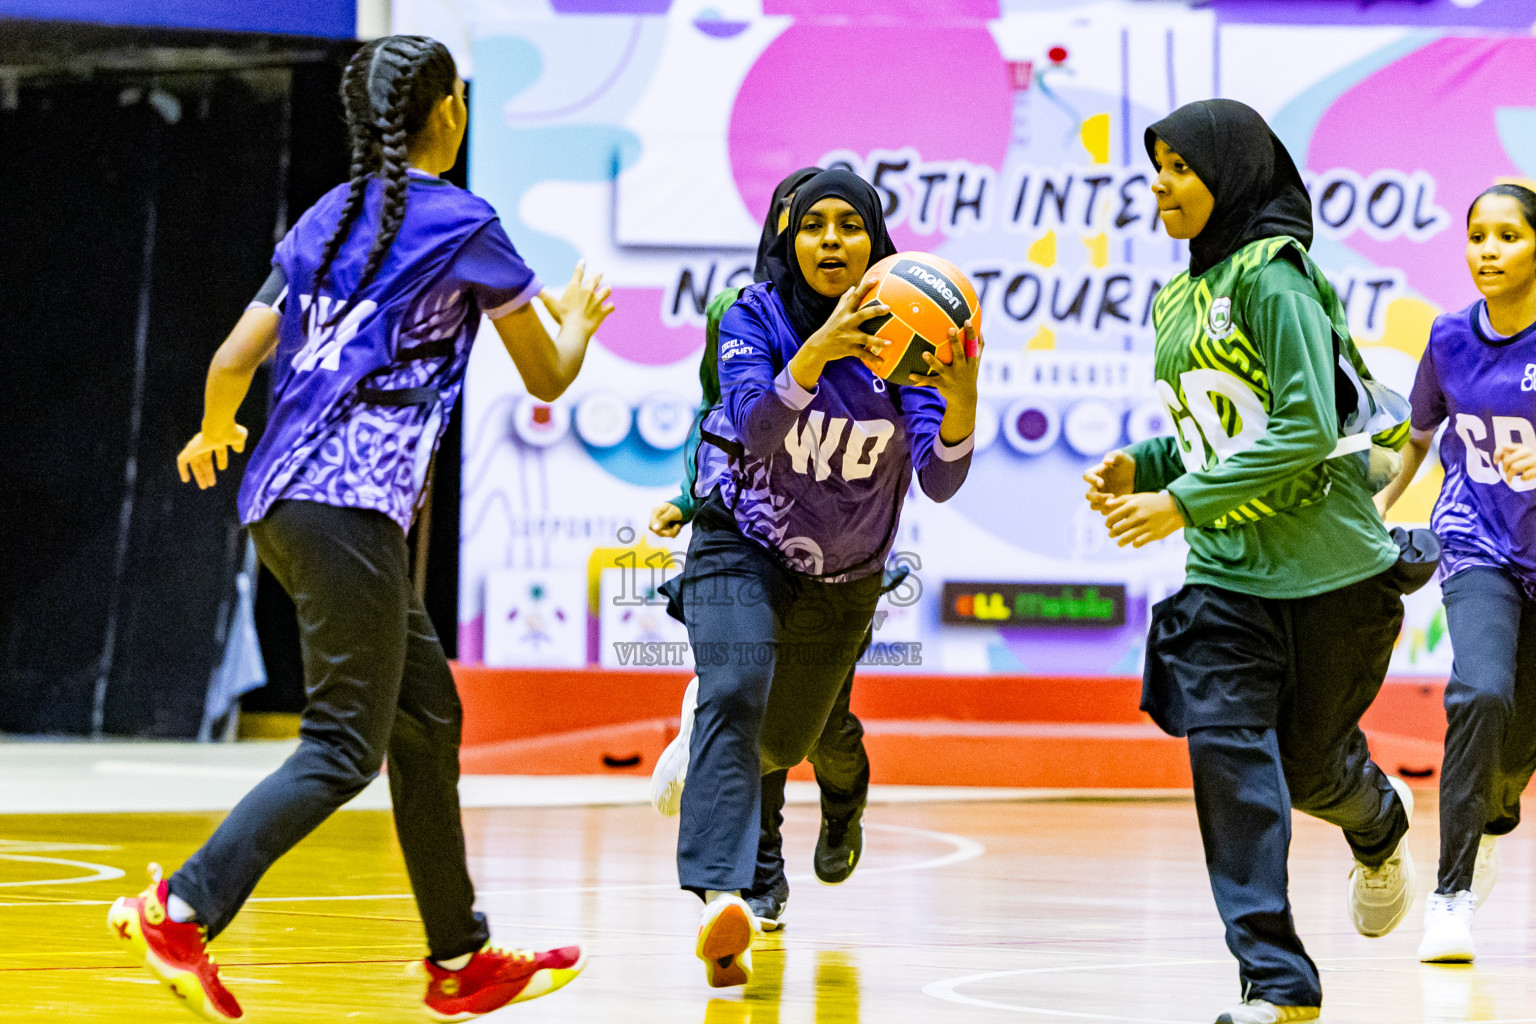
726 933
1257 1011
1379 898
1487 870
1448 929
672 766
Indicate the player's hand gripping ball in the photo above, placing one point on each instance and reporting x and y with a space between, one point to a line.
928 297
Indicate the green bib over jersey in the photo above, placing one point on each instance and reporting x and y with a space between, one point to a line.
1255 369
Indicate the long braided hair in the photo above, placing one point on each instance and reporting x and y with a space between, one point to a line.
389 89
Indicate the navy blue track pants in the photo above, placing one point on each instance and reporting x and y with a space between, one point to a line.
1270 694
773 652
1490 710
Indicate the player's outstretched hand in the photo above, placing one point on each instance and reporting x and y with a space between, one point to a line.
584 302
197 459
1114 476
956 381
666 520
1517 461
1140 519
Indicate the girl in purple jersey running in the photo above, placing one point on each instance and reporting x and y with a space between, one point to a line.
805 464
1477 376
839 757
373 301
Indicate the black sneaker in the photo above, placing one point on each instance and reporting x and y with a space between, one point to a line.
838 847
769 907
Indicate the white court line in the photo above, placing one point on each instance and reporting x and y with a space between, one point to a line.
27 846
945 990
175 770
964 849
103 872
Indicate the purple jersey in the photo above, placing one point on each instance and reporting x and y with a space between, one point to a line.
817 476
360 408
1485 386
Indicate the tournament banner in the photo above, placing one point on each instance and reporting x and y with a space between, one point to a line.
646 137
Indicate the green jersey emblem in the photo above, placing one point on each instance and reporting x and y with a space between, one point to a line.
1220 325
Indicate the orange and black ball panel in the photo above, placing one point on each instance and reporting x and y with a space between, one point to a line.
928 297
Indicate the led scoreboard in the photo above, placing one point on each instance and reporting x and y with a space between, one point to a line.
1034 604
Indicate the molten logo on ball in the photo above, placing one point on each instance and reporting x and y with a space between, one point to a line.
939 287
928 296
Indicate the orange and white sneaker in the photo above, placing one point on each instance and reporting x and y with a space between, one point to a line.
725 941
175 953
494 978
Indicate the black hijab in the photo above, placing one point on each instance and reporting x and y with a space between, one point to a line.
808 309
781 194
1258 192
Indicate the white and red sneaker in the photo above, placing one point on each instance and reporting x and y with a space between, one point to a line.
495 977
175 953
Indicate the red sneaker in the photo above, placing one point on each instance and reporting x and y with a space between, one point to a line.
175 953
494 978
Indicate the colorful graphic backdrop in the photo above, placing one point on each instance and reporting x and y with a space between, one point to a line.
647 135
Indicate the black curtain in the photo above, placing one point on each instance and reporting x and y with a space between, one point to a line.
145 193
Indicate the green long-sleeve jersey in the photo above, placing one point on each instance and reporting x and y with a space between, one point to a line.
1248 359
709 384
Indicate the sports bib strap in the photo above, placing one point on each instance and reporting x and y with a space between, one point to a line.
1350 444
399 396
426 350
734 449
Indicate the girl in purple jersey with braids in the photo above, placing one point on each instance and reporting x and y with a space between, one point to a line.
1478 377
373 301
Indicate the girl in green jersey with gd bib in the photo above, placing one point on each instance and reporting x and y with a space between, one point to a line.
1280 638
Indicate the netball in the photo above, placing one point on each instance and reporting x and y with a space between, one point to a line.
928 296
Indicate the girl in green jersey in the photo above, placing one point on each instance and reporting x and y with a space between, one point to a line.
1281 635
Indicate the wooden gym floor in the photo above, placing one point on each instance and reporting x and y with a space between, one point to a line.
1085 909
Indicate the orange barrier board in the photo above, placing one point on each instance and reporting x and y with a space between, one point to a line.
1016 731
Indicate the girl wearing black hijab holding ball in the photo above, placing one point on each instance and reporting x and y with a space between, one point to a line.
805 462
839 758
1281 635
